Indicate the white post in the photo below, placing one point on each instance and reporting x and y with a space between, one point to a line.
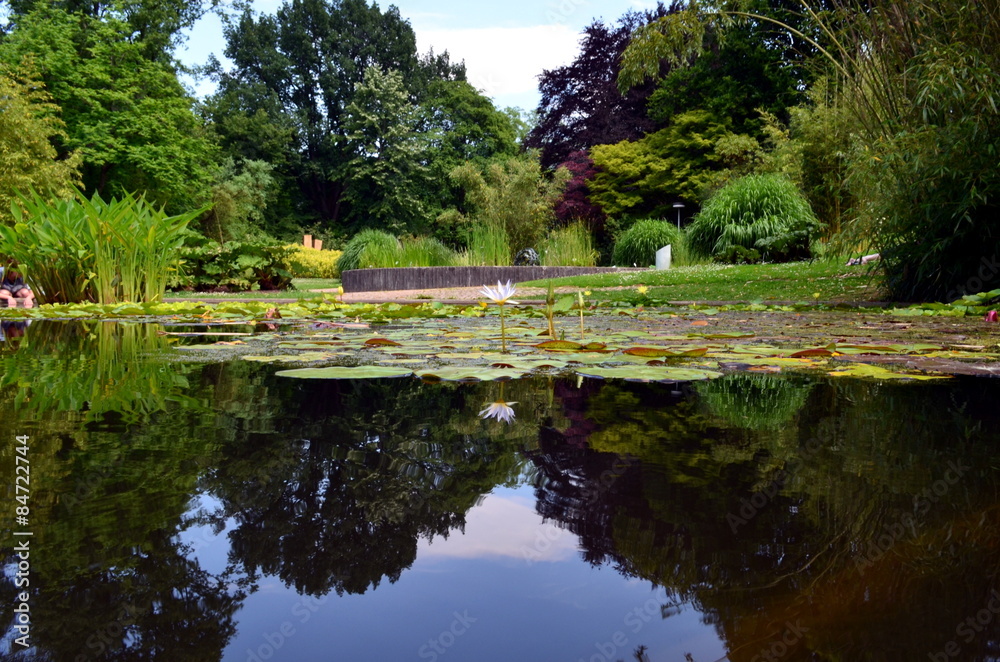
663 258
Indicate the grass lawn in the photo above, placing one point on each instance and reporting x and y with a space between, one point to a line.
794 281
302 288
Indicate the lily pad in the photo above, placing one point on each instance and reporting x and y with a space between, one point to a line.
650 373
344 372
469 374
878 372
291 358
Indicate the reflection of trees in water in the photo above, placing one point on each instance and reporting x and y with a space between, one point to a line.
809 502
111 481
339 499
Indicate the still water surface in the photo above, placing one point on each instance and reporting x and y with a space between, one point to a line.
199 510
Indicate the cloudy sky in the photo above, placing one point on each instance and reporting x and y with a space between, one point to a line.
505 44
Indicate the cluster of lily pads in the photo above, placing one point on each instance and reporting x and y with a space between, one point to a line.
444 350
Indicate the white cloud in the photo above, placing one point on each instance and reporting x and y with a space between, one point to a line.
503 527
504 62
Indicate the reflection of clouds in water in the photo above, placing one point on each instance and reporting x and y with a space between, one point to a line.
503 527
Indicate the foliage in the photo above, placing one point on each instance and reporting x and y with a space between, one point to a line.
762 212
510 193
580 103
489 245
571 246
235 266
425 252
384 171
646 177
311 263
638 245
463 125
575 204
752 67
296 96
91 250
28 159
919 81
735 254
923 170
126 115
364 247
239 198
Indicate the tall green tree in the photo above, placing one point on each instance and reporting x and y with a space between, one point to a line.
384 173
644 178
28 157
127 115
294 75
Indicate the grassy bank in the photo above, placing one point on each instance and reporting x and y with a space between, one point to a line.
302 288
823 280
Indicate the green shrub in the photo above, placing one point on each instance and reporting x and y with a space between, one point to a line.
367 248
638 244
311 263
762 212
235 266
738 255
91 250
571 246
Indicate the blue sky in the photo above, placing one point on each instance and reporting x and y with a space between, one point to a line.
505 45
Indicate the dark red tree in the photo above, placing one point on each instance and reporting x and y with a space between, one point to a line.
581 105
574 204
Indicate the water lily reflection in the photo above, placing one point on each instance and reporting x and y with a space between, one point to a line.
500 410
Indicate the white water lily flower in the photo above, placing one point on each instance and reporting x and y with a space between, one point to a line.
501 295
502 411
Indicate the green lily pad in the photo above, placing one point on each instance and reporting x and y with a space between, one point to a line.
878 372
559 345
343 372
291 358
650 373
470 374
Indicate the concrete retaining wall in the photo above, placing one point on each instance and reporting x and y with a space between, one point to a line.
423 278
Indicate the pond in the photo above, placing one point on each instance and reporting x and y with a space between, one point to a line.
187 507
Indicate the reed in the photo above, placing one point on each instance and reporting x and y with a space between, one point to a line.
571 246
95 250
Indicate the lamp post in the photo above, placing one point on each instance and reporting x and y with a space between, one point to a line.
678 206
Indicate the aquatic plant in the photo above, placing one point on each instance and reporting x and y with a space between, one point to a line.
501 296
120 250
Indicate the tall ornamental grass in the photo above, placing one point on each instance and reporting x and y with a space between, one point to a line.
489 245
766 213
375 249
425 252
364 247
571 246
637 246
95 250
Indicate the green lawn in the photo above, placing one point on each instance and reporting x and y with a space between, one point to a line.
830 279
301 289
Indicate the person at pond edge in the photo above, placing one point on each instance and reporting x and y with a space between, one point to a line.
12 286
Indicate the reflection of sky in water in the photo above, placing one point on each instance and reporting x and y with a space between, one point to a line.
510 588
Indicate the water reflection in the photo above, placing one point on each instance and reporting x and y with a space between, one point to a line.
801 519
